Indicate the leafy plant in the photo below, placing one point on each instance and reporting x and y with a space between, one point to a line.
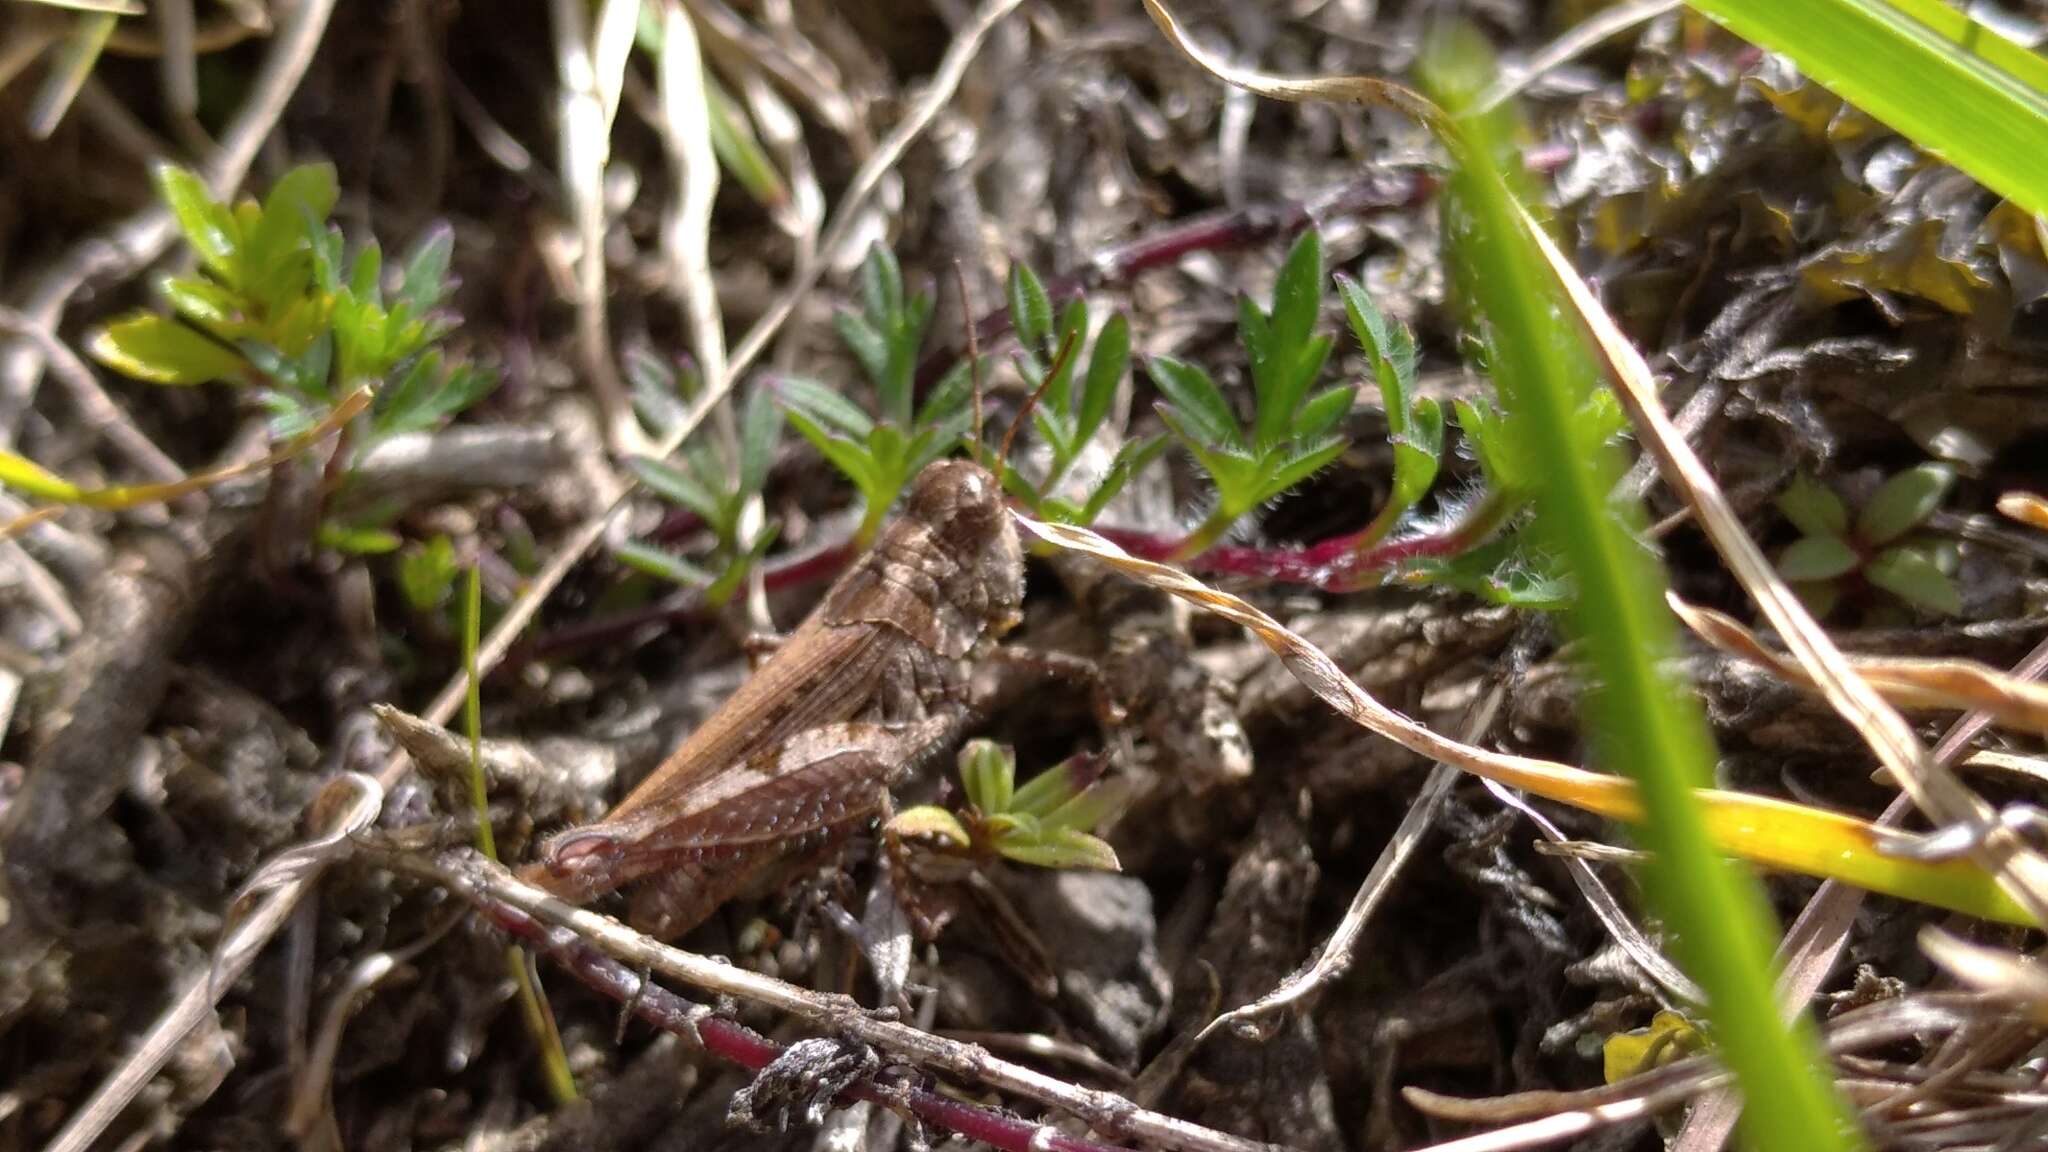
1292 434
1831 551
277 305
1067 418
1415 424
712 488
1046 823
880 453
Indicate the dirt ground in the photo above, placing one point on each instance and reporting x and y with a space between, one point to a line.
186 681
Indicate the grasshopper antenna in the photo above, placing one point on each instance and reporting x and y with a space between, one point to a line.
1058 365
973 353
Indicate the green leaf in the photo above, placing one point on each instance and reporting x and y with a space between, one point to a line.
1321 413
1297 298
205 303
930 822
760 428
1030 307
1094 806
823 404
426 575
1388 346
426 269
1063 849
988 771
1417 453
678 486
1486 432
1914 577
1130 459
869 347
881 286
207 224
853 460
1198 401
302 199
663 564
1949 84
162 351
356 540
1813 508
1902 502
950 397
1298 465
1817 558
1107 364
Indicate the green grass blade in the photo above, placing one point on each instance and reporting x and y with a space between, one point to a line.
1945 82
1637 718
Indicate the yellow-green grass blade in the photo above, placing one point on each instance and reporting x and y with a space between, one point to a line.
1946 82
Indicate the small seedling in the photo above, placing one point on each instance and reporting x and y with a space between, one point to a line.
881 452
1046 823
1878 547
1067 418
1293 435
1415 424
701 482
278 307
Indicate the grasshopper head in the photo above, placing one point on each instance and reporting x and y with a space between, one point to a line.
961 505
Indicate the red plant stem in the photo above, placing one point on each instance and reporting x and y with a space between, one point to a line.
750 1050
1236 228
1333 565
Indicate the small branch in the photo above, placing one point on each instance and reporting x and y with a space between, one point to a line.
607 955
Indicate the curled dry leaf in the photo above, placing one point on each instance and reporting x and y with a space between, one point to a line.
1963 685
1763 830
345 806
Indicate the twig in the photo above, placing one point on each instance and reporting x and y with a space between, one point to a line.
1338 951
590 73
240 947
101 413
607 954
1580 38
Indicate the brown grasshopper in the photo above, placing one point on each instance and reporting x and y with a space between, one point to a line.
874 680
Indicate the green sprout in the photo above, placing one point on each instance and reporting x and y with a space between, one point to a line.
1293 434
1415 424
881 452
1067 418
277 305
709 485
1046 823
1877 546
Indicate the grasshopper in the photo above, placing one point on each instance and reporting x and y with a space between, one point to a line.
872 682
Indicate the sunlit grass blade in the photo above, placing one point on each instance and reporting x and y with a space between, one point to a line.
1944 81
1638 720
